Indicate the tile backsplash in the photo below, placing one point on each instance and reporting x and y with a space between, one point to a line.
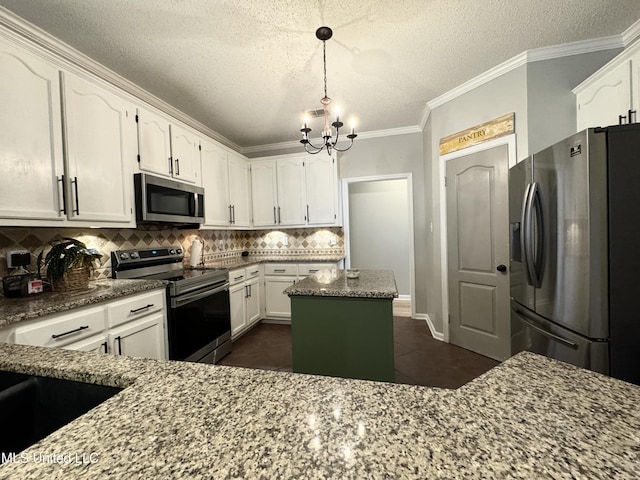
218 244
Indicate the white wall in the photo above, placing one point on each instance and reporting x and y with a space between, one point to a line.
379 228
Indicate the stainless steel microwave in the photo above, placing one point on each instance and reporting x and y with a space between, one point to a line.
162 200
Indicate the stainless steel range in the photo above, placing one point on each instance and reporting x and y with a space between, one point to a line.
198 316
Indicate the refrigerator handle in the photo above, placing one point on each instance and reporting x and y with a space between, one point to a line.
525 233
524 317
537 248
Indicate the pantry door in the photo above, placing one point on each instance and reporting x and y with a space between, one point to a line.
477 211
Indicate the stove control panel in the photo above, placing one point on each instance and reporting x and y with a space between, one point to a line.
144 256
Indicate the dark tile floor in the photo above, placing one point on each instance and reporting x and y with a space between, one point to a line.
419 358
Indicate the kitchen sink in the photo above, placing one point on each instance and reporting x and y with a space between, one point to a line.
33 407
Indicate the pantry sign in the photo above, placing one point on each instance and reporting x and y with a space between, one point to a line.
498 127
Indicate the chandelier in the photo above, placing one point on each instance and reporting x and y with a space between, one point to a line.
324 34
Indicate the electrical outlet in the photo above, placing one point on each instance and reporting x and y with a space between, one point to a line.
333 240
221 244
285 240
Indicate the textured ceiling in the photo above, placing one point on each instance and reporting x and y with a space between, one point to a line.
249 68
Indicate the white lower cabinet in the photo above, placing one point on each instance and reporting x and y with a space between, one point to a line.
253 301
277 278
140 338
277 304
62 330
238 309
134 325
244 299
97 344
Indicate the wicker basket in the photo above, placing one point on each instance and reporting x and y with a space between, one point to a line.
74 279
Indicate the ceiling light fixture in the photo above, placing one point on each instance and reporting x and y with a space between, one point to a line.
324 34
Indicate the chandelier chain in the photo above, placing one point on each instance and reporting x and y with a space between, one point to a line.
324 60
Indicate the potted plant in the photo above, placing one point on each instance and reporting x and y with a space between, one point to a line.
68 264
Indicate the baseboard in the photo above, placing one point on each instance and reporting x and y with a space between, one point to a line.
277 321
434 333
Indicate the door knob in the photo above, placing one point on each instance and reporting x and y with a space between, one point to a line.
501 268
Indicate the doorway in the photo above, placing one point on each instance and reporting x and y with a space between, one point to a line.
378 225
476 247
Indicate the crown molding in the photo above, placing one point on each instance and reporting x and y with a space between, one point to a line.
362 136
534 55
40 41
426 113
631 34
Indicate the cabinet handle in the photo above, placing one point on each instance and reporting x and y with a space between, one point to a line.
275 219
170 166
246 291
178 167
279 217
279 270
106 347
313 270
255 273
233 211
83 327
136 310
620 117
308 219
230 218
119 340
64 195
632 114
75 185
238 278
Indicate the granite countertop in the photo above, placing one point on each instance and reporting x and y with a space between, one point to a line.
14 310
530 417
240 262
334 283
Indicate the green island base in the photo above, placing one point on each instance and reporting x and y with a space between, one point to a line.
343 337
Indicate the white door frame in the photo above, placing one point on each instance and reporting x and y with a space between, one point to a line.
510 141
345 215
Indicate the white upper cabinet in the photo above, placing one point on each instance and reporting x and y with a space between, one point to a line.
239 190
30 138
612 94
291 194
295 191
215 180
167 148
185 149
264 193
226 180
100 148
322 190
154 143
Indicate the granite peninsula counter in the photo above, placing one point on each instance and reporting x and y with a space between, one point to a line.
15 310
343 326
530 417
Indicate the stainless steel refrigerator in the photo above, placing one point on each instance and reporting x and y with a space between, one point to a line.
574 211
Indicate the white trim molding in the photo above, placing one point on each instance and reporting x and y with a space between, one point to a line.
435 334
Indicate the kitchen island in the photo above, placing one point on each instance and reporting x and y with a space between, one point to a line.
343 326
530 417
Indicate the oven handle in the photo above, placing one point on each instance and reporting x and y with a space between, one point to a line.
186 299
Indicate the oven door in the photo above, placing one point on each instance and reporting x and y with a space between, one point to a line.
199 323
